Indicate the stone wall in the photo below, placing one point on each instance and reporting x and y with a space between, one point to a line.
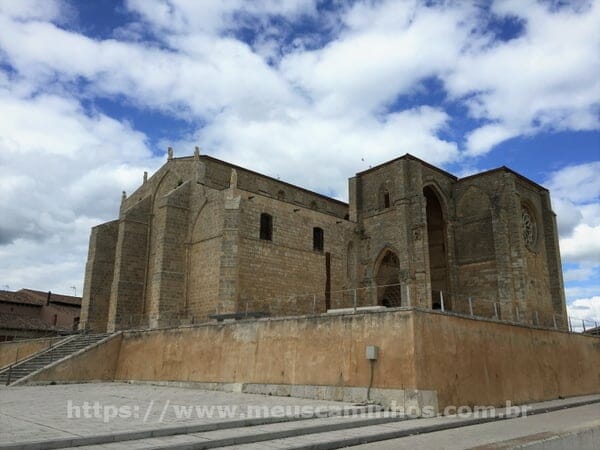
476 362
17 350
450 360
99 271
270 271
187 245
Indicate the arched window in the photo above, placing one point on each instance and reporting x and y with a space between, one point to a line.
318 239
266 227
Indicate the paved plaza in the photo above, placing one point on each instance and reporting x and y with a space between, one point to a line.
72 410
107 416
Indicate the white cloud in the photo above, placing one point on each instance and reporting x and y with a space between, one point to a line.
576 200
578 184
206 75
582 245
544 79
61 172
211 16
482 139
328 150
584 309
299 110
34 9
385 52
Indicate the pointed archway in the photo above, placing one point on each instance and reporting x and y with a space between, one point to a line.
436 237
387 279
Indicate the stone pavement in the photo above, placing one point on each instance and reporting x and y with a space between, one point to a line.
30 413
117 415
509 433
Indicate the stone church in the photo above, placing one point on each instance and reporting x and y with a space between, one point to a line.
203 237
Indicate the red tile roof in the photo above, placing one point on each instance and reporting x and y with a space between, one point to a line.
38 298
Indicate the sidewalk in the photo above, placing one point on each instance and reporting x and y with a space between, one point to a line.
41 412
118 415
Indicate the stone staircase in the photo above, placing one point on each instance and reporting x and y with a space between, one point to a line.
62 349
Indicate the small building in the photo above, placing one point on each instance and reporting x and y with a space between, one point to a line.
29 313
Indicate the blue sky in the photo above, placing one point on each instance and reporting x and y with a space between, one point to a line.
92 93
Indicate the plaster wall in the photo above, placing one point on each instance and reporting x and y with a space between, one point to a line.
17 350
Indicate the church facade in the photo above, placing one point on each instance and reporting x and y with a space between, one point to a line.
203 237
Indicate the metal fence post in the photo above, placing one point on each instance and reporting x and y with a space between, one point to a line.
408 295
554 320
570 324
495 310
470 306
442 300
354 301
517 313
314 304
537 318
583 323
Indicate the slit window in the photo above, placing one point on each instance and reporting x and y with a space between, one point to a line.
266 227
318 239
386 200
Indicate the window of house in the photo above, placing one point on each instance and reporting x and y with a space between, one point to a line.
318 239
266 227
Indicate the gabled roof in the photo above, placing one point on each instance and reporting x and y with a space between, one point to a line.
413 158
505 169
38 298
19 298
69 300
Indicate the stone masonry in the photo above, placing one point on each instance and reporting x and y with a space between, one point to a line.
202 236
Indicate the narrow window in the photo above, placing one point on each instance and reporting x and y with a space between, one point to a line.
383 199
318 239
281 195
266 227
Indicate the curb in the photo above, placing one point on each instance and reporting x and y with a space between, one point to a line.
167 431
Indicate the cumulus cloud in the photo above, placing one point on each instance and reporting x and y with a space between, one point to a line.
308 108
332 147
544 79
61 172
34 9
575 193
584 310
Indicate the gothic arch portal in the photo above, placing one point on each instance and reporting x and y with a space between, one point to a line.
387 279
437 247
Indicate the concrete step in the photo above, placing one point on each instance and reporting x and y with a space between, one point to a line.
323 433
253 434
46 357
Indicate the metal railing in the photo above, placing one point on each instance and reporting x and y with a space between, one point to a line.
398 295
